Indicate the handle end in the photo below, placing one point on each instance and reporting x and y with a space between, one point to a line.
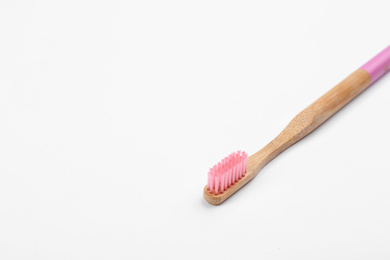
379 65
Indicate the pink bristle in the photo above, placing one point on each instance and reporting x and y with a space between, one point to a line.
238 169
222 182
216 189
220 174
220 171
238 160
230 171
233 172
233 169
213 175
241 166
245 162
223 174
234 157
227 172
211 180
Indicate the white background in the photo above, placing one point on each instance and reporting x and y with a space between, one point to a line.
111 113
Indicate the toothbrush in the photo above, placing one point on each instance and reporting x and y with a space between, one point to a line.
237 169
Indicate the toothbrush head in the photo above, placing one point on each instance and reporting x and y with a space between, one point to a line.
224 175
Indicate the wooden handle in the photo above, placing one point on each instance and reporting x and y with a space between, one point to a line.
314 115
304 123
325 107
336 98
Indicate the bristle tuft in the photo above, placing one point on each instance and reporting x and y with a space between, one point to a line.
227 172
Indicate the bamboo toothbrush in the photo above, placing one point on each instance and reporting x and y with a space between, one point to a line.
237 169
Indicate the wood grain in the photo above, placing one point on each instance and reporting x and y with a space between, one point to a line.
302 124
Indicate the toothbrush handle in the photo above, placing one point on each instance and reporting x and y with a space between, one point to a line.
332 101
352 86
379 65
336 98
